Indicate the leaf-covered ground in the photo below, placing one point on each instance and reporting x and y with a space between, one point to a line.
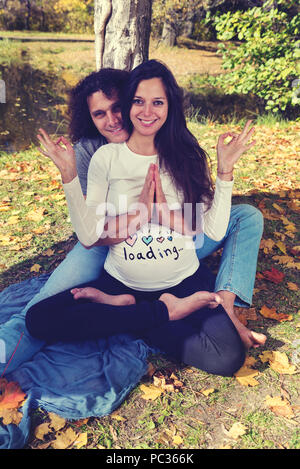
176 406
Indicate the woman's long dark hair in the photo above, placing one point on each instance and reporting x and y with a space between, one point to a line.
178 150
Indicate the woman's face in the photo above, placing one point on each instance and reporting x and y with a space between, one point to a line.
149 110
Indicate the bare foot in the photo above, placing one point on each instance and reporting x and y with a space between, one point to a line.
179 308
97 296
251 338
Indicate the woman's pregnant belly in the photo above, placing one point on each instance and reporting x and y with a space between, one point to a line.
152 259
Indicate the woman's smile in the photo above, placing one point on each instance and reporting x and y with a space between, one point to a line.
149 110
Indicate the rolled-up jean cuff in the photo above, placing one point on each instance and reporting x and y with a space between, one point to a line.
241 300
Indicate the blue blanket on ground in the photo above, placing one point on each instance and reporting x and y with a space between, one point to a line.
72 380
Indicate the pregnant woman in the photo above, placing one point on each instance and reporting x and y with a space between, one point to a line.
153 285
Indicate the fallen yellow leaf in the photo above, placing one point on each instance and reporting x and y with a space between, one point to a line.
64 439
246 375
41 229
207 392
278 208
292 286
42 430
56 421
280 406
177 440
10 416
237 430
283 259
13 220
150 392
267 245
35 268
116 416
281 246
81 440
36 214
278 362
48 253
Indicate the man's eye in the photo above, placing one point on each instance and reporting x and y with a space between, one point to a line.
117 108
99 114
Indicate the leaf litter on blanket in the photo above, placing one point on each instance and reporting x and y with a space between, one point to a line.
11 399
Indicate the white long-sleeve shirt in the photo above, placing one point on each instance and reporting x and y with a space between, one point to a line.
154 257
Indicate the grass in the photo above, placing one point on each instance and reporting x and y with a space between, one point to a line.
35 231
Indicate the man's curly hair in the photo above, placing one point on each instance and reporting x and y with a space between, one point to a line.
108 80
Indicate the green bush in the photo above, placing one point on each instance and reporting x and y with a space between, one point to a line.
265 60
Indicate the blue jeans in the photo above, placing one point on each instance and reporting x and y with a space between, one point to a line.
236 274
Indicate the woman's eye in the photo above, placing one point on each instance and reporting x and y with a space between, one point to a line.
158 103
137 101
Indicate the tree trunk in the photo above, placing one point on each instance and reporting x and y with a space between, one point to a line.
122 32
28 16
168 35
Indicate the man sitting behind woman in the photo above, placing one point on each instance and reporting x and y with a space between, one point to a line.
158 136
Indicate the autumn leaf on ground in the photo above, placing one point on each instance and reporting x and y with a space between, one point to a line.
278 362
116 416
49 252
80 422
237 430
246 375
271 313
278 208
81 440
283 259
295 250
37 214
11 399
280 406
207 392
245 314
42 430
267 245
150 392
41 229
281 246
35 268
168 382
273 275
177 440
13 220
64 439
268 215
292 286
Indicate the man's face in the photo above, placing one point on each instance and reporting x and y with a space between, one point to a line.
106 115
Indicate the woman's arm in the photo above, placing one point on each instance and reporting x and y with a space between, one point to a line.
87 223
92 226
215 220
217 217
119 228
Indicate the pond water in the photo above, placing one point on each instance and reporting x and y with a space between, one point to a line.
32 100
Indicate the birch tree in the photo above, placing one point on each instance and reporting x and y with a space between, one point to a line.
122 32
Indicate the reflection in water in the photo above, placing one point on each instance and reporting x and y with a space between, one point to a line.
33 100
